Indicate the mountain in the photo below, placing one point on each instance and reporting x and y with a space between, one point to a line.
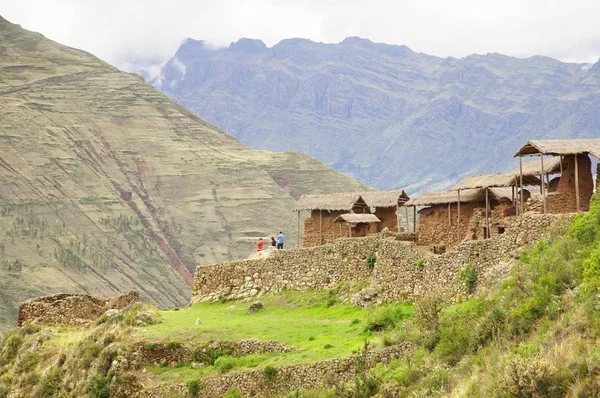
387 115
108 185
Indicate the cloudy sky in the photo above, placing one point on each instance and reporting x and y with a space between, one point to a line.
122 31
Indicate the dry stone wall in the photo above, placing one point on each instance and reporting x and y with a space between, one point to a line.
322 374
71 309
398 272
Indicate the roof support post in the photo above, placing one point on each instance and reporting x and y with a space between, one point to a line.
321 227
298 231
521 201
341 233
487 213
398 218
561 170
542 181
415 219
449 215
458 219
576 181
407 223
350 230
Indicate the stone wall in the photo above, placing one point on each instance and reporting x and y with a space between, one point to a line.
324 374
388 217
71 309
434 226
397 274
331 230
565 202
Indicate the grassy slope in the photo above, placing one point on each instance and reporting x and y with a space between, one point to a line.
75 132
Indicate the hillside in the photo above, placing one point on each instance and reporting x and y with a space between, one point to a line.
533 335
107 185
387 115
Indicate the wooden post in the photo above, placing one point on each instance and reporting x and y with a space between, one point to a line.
398 218
407 222
321 227
298 230
561 170
341 232
449 215
487 214
522 202
414 218
458 218
576 181
349 230
542 182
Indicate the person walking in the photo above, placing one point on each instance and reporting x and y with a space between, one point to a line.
280 239
273 242
259 245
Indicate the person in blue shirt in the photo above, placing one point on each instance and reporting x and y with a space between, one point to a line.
280 239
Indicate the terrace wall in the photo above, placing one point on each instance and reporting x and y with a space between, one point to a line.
396 274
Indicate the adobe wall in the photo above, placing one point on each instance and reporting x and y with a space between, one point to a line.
396 274
389 217
331 230
566 183
434 228
71 309
318 375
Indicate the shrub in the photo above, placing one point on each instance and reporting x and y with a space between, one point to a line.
97 387
207 355
173 345
468 277
152 346
270 373
4 391
27 362
11 347
49 384
427 311
193 387
311 338
386 317
420 263
225 363
371 259
327 346
526 377
233 392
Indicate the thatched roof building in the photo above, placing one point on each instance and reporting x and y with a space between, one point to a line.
561 147
495 180
332 202
446 197
357 218
384 198
551 166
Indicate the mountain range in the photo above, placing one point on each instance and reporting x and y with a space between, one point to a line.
389 116
108 185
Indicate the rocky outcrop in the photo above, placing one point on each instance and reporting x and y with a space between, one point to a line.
71 309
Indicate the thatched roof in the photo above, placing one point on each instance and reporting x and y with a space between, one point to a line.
551 166
347 200
334 201
561 147
384 198
357 218
495 180
468 195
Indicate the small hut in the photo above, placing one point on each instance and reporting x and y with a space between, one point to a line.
320 227
446 217
574 188
385 205
357 224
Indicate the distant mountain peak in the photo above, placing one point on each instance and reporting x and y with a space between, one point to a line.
248 45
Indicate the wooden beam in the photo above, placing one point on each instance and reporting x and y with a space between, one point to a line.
458 218
349 230
341 232
321 227
398 218
298 230
407 223
576 182
561 170
521 201
414 218
542 181
449 215
487 214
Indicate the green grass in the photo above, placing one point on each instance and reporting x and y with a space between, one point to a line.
299 319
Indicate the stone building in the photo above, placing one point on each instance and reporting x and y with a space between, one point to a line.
574 188
385 205
440 223
321 226
357 225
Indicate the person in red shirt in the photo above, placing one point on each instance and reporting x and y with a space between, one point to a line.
259 245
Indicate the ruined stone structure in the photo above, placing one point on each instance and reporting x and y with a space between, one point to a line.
563 198
71 309
399 272
318 375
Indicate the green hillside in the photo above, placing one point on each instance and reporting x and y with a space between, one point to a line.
107 185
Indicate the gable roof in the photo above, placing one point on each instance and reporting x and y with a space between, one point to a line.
384 198
561 147
357 218
334 201
495 180
468 195
551 166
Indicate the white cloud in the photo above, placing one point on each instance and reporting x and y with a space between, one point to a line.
122 31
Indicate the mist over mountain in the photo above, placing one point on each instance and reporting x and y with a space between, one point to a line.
385 114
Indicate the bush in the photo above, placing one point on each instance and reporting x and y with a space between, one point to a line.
270 373
98 387
49 384
11 347
152 346
27 362
173 345
371 259
468 276
225 363
193 387
207 355
427 311
420 263
386 317
4 391
233 392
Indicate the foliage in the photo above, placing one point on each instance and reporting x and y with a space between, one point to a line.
468 277
387 317
49 384
98 387
420 263
193 387
371 259
270 372
233 392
